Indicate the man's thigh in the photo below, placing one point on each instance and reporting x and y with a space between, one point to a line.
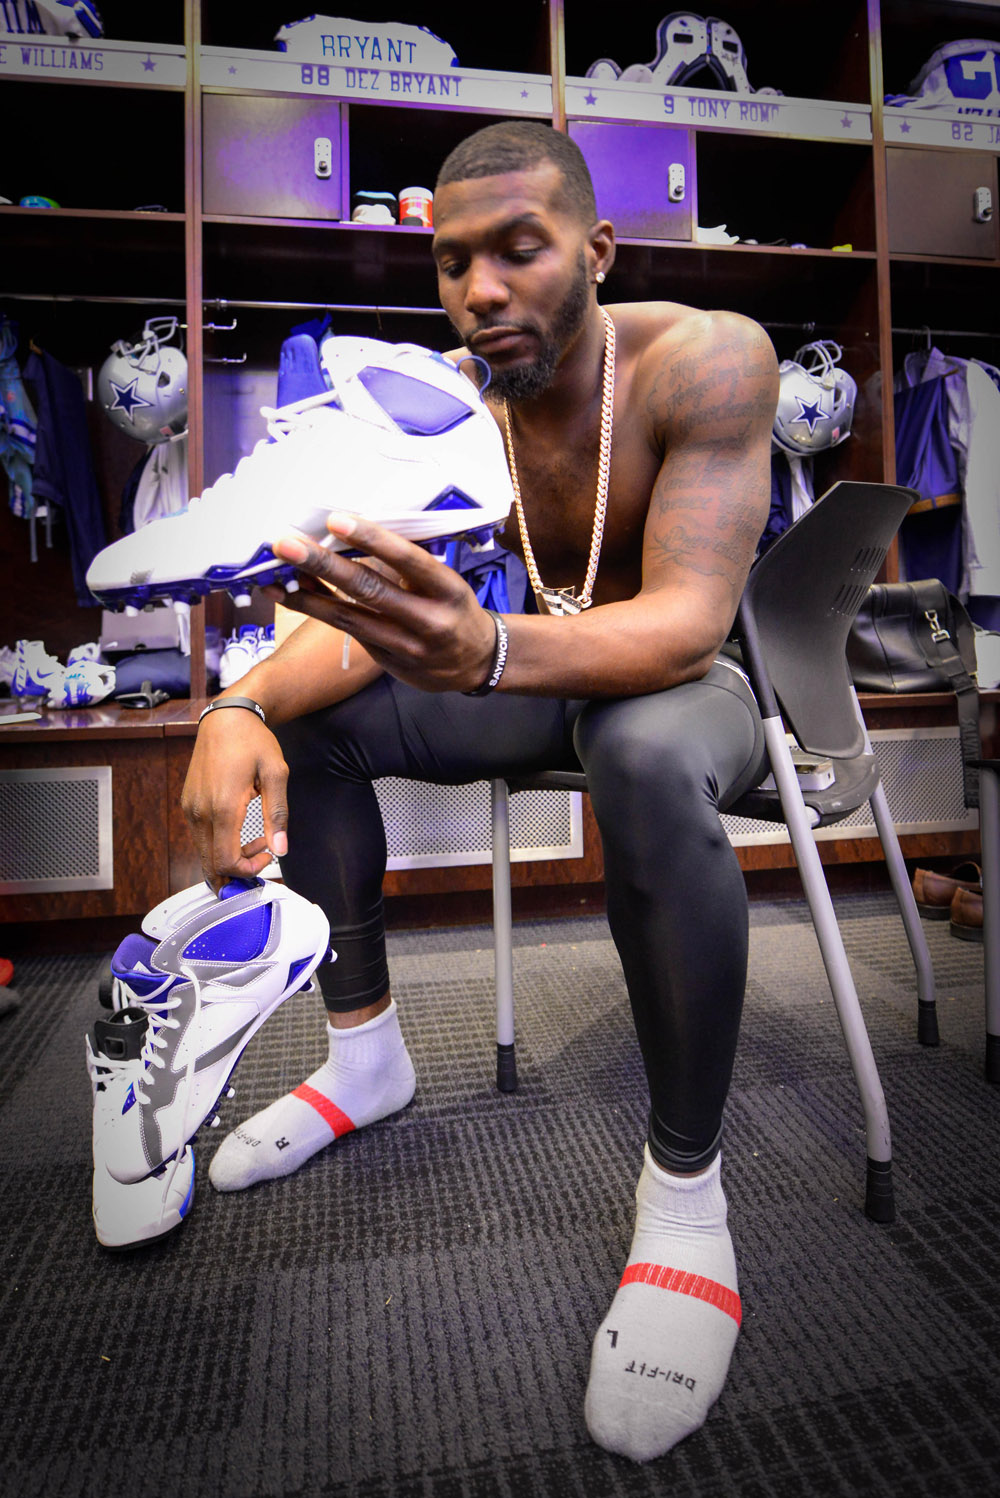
394 729
701 737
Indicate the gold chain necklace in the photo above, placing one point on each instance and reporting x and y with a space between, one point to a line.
566 600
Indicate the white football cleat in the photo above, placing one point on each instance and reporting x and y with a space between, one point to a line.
208 972
141 1213
395 433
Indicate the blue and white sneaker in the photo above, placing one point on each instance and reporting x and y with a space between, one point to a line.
36 673
208 970
91 651
239 655
394 432
265 643
85 683
127 1216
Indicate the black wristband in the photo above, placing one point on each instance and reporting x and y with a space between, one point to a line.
246 702
499 658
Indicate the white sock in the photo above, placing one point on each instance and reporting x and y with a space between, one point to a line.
661 1354
369 1075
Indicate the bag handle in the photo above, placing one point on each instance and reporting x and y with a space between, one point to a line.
941 650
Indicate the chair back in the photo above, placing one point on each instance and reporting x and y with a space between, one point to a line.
800 601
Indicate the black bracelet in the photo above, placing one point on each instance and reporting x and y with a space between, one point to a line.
499 658
247 702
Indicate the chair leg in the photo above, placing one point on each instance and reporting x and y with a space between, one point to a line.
503 939
989 831
927 1023
878 1187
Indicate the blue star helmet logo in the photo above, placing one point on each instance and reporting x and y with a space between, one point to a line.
126 398
811 412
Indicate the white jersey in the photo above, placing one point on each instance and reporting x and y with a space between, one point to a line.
973 419
163 485
72 18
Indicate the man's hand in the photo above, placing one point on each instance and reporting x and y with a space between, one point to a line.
235 759
416 618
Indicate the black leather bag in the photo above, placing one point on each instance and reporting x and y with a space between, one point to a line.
917 637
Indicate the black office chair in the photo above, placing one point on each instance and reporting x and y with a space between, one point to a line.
797 608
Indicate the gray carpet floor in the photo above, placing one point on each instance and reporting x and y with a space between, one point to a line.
410 1316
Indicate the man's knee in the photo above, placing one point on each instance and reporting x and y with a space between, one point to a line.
692 743
644 750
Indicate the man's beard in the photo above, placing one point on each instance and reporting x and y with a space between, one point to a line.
525 381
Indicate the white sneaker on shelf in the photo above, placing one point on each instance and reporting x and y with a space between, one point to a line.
400 435
88 652
265 643
85 683
8 663
239 654
208 971
36 673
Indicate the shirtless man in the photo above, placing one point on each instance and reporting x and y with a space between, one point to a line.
629 688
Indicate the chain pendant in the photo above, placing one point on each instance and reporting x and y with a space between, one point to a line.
559 601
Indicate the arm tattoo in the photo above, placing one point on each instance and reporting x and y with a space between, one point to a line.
713 403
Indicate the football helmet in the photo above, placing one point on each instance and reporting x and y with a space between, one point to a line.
962 76
143 385
815 400
691 52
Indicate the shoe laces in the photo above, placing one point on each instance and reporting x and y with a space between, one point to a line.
156 1041
103 1069
284 423
158 1006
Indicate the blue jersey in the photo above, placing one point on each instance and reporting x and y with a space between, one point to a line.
17 425
64 466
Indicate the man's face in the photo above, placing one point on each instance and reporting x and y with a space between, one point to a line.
512 274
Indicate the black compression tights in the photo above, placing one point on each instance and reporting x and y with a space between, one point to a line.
658 769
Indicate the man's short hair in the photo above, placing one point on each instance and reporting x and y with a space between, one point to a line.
517 146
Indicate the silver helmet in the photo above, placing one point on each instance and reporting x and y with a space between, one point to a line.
143 385
815 400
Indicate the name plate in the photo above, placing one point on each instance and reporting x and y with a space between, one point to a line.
937 127
331 38
54 57
358 74
711 109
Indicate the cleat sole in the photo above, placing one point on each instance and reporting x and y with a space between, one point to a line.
427 528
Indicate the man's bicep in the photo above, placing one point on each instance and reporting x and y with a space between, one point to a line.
717 394
707 513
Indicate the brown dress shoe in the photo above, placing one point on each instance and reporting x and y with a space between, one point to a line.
967 915
934 892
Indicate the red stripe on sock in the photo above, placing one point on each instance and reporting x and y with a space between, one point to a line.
683 1283
334 1116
